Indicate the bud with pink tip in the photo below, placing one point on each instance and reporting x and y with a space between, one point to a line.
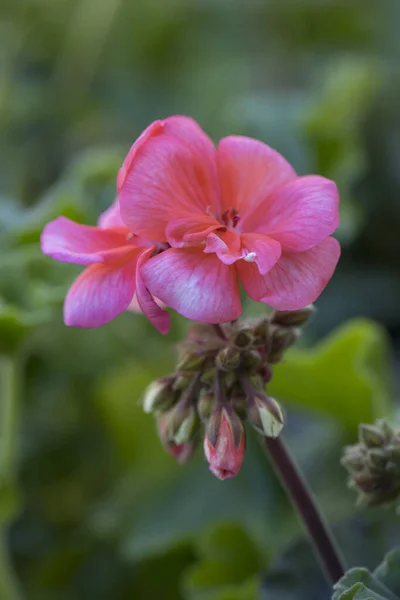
182 452
224 443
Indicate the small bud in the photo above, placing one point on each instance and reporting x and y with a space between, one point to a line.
377 459
208 376
371 436
265 415
224 443
182 452
280 341
353 459
251 361
188 427
266 373
205 404
243 338
228 359
181 382
159 395
292 318
238 401
190 363
261 332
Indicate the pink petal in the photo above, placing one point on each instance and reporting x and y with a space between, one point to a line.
195 284
71 242
111 217
190 230
158 317
249 171
296 280
226 245
262 250
99 294
300 214
152 130
171 175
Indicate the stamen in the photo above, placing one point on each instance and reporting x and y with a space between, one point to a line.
250 257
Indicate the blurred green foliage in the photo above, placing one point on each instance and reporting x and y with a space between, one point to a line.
103 511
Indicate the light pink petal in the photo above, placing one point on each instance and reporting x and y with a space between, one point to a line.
300 214
156 315
71 242
226 245
262 250
111 217
296 280
99 294
249 172
190 230
171 175
195 284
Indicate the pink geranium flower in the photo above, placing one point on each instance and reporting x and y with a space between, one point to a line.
235 212
112 281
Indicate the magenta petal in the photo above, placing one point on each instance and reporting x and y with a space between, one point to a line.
195 284
171 175
300 214
156 315
296 280
262 250
99 294
111 217
249 171
226 245
190 230
70 242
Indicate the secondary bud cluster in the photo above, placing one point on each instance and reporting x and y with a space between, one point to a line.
374 464
219 384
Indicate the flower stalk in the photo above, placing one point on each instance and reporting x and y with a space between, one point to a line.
9 586
306 507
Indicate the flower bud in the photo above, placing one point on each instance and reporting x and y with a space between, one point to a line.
205 404
182 452
224 443
190 363
265 415
251 361
261 332
208 375
292 318
280 341
188 427
371 436
181 382
243 338
228 359
159 395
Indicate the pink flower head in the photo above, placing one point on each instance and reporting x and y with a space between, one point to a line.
225 443
112 280
235 212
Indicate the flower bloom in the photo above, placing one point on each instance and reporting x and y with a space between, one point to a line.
235 212
112 280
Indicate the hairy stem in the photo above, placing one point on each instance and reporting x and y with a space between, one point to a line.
305 505
9 587
219 331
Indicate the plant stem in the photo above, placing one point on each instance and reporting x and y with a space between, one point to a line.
220 332
9 587
304 503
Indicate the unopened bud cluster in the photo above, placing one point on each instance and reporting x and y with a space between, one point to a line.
219 383
374 464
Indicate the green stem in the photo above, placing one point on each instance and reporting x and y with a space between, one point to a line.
305 505
9 587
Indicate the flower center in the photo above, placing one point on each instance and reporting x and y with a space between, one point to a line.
230 218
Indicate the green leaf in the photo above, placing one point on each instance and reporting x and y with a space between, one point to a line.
346 376
360 583
388 573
